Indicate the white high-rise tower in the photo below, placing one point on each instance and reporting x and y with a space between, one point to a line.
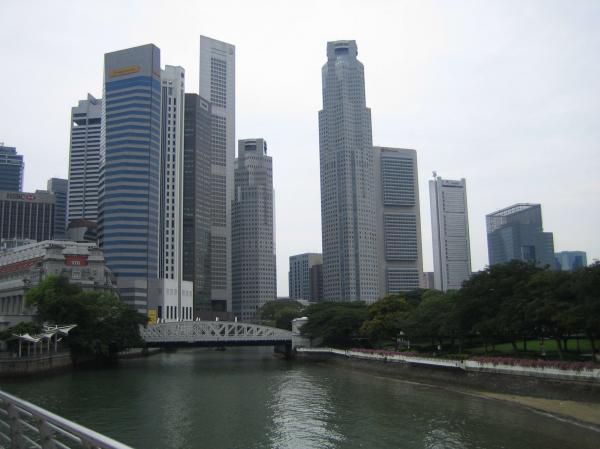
350 266
450 229
217 84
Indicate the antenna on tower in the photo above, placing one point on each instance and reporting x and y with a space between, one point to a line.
434 174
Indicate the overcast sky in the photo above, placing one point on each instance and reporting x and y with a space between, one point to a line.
505 94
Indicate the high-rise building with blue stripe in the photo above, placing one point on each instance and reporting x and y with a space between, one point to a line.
128 212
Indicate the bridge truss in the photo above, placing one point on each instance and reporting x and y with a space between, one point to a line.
213 333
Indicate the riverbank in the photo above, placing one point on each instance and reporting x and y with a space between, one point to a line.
566 398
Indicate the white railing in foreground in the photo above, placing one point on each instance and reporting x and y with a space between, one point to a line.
27 426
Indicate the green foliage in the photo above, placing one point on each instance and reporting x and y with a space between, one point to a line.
105 325
386 318
337 323
20 329
280 313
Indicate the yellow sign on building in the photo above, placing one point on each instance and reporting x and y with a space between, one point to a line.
152 316
124 71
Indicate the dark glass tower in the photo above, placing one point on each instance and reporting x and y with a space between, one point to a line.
11 170
197 199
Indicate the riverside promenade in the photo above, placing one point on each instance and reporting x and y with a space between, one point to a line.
584 374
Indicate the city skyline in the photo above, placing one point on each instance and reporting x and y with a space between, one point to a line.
513 116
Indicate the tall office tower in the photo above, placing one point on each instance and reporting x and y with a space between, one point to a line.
398 220
350 266
217 85
171 173
84 160
197 199
128 213
253 247
11 169
516 233
303 279
59 188
450 231
27 216
571 260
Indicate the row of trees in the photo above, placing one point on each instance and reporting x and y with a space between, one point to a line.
504 303
105 325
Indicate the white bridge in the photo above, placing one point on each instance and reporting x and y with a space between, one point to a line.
214 333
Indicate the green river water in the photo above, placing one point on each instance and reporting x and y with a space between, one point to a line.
247 398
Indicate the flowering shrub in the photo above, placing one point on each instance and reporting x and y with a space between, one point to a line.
531 363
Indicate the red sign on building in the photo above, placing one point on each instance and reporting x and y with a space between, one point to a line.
76 261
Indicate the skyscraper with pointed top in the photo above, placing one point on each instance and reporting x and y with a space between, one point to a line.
350 265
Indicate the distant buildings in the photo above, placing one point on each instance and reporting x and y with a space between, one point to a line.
84 160
398 220
11 169
27 216
253 244
26 266
350 264
197 200
129 216
217 85
571 260
516 233
306 277
450 231
59 188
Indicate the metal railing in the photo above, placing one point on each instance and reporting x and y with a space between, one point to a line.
27 426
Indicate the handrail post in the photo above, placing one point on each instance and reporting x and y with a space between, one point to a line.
46 435
16 428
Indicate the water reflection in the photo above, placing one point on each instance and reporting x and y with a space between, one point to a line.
247 399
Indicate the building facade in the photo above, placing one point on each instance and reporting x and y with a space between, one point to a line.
11 169
571 260
450 231
128 215
27 215
306 277
398 220
197 200
350 265
516 233
171 173
217 85
24 267
84 160
60 189
253 244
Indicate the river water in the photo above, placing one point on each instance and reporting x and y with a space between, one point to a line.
247 398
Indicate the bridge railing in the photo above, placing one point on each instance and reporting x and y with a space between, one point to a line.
27 426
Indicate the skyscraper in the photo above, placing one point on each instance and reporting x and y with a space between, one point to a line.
197 199
450 231
217 85
128 216
516 233
59 188
350 266
84 160
11 169
253 245
398 220
306 277
171 173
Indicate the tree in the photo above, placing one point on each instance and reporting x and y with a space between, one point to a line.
337 323
387 317
105 325
280 313
586 311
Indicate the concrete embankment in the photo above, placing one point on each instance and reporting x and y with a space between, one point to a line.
28 366
547 383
